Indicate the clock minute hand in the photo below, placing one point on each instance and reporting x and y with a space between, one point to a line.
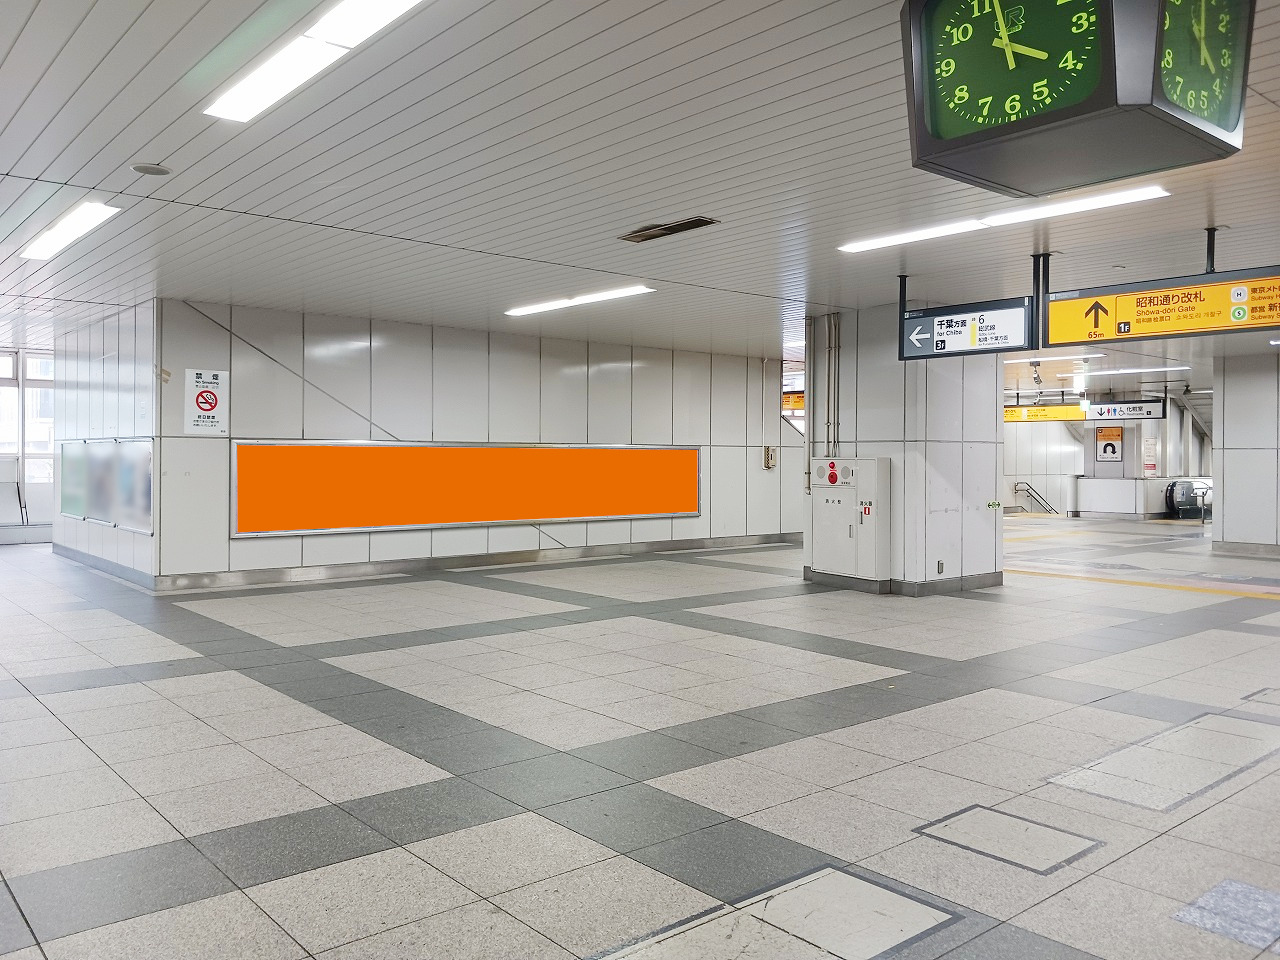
1003 40
1024 50
1198 29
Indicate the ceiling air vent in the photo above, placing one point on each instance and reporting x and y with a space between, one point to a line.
655 230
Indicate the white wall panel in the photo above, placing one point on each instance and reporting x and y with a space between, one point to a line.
794 502
608 531
1249 403
728 491
728 401
194 522
191 340
564 391
552 535
336 368
81 353
146 378
1249 478
691 398
980 526
335 548
515 391
764 490
506 538
97 339
651 531
650 395
459 541
402 375
128 375
111 375
608 395
880 382
699 527
764 403
945 404
400 544
266 366
277 333
944 494
460 385
983 414
265 553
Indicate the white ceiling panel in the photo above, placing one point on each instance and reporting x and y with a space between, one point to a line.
481 155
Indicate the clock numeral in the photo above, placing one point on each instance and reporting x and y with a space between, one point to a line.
980 7
1178 91
986 105
1167 62
1069 61
947 67
1226 58
1224 23
1217 87
962 94
1013 105
1080 22
1040 91
960 34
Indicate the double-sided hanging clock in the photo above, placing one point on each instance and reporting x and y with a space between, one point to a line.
1032 96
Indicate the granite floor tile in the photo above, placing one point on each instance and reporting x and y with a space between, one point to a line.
430 809
15 935
34 731
45 759
313 746
836 824
736 936
647 755
571 729
98 698
80 896
227 927
504 854
630 817
333 905
818 761
118 748
542 781
732 861
603 905
477 931
921 792
731 735
733 787
32 845
470 752
129 716
191 768
1010 942
366 774
61 793
656 711
283 846
230 803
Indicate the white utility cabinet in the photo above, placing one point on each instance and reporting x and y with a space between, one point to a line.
850 531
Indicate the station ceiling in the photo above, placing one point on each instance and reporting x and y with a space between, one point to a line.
481 155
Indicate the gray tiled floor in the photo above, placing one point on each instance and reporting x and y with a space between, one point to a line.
561 759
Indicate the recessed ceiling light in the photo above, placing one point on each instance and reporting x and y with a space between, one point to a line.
579 300
1275 343
347 25
68 230
1080 205
1114 373
912 236
151 169
1082 356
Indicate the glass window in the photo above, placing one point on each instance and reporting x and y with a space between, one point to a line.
40 470
39 368
39 419
8 366
8 419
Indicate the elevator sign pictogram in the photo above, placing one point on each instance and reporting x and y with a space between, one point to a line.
205 404
1210 303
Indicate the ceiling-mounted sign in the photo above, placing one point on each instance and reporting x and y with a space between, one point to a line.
1136 410
1110 444
1029 98
793 400
997 326
1205 304
1057 413
205 403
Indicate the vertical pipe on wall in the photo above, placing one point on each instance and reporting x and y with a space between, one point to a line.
810 357
833 319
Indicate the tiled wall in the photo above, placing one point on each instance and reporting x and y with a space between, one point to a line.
296 376
1049 456
105 386
1246 431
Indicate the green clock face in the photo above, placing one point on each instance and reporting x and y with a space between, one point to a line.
1202 43
994 62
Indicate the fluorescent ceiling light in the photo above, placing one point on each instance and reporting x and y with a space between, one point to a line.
1059 209
68 230
1031 393
1114 373
1080 205
1083 356
1210 390
1275 343
928 233
352 22
578 301
286 71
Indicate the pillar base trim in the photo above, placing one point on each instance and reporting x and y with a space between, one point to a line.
908 588
1258 551
118 570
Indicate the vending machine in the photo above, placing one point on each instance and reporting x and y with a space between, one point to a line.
850 523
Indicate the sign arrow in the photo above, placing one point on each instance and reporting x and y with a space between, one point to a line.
916 337
1095 311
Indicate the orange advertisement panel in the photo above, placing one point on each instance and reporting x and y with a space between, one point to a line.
301 487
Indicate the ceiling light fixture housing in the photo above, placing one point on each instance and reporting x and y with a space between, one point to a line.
1116 373
340 30
150 169
1081 356
68 230
655 230
579 300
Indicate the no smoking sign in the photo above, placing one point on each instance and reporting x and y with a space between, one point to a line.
205 411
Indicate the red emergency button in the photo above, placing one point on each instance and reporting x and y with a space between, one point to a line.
831 477
831 465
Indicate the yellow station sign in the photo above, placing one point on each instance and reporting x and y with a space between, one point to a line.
1043 414
1202 307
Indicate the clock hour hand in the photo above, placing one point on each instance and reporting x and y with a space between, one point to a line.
1012 47
1197 29
1003 41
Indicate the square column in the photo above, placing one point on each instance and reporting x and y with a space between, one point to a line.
1246 450
939 422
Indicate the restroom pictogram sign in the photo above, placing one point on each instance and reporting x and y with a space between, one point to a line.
205 406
